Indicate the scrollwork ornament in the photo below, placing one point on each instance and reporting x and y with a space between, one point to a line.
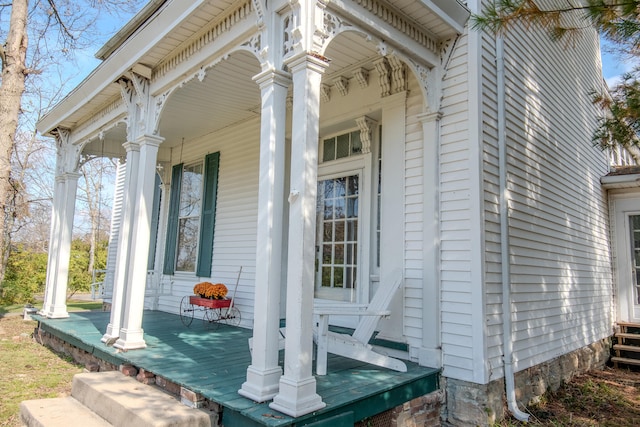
254 44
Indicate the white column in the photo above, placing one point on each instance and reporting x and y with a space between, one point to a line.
58 307
264 373
131 333
392 209
54 243
120 282
430 353
297 395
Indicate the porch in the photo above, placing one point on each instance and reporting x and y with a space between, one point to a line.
352 390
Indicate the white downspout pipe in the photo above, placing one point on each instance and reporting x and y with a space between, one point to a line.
504 239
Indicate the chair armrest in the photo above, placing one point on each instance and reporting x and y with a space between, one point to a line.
348 311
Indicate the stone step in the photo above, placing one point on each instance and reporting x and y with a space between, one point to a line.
117 400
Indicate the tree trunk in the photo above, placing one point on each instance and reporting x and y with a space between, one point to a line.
11 89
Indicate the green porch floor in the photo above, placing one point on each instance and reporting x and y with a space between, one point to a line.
214 363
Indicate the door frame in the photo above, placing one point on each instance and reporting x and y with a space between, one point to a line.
624 206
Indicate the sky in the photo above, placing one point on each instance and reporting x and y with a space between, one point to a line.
613 66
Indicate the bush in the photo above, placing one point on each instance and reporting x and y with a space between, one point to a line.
27 272
25 276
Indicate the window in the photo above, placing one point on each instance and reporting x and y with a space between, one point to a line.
191 221
347 216
337 213
338 147
189 217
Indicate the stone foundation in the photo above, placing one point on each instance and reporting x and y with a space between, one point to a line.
91 363
94 364
485 404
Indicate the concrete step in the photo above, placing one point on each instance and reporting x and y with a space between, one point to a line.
115 399
58 412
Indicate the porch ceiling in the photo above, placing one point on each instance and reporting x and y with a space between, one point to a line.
228 94
225 96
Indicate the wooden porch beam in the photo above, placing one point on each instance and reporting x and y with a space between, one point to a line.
392 37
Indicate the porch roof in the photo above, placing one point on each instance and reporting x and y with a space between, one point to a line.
214 362
622 177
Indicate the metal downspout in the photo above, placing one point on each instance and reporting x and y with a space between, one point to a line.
504 239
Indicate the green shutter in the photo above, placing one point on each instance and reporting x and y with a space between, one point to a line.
155 217
208 216
172 223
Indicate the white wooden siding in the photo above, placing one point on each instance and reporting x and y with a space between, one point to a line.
455 220
413 216
236 215
561 270
116 220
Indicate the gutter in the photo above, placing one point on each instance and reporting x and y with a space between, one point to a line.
507 339
130 27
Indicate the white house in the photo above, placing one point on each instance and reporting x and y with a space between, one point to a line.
329 147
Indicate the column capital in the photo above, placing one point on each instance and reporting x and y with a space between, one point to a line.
131 146
430 116
150 140
307 60
72 176
272 76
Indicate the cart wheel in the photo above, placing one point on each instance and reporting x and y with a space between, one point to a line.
186 311
231 316
211 318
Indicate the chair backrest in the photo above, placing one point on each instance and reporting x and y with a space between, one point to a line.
380 302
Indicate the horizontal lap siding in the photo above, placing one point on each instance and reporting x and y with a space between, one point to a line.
491 183
560 272
455 220
236 216
413 232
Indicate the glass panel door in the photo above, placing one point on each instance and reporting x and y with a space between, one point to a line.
337 238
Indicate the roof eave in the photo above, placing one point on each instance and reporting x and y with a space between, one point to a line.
123 59
453 13
129 28
610 182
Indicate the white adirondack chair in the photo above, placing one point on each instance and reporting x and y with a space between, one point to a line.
356 346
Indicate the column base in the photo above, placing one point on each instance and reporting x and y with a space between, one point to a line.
130 340
261 385
297 398
111 335
59 312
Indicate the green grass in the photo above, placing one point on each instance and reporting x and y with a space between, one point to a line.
72 305
28 369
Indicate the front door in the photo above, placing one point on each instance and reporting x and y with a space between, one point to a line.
627 241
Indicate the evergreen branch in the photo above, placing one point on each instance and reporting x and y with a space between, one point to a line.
501 15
